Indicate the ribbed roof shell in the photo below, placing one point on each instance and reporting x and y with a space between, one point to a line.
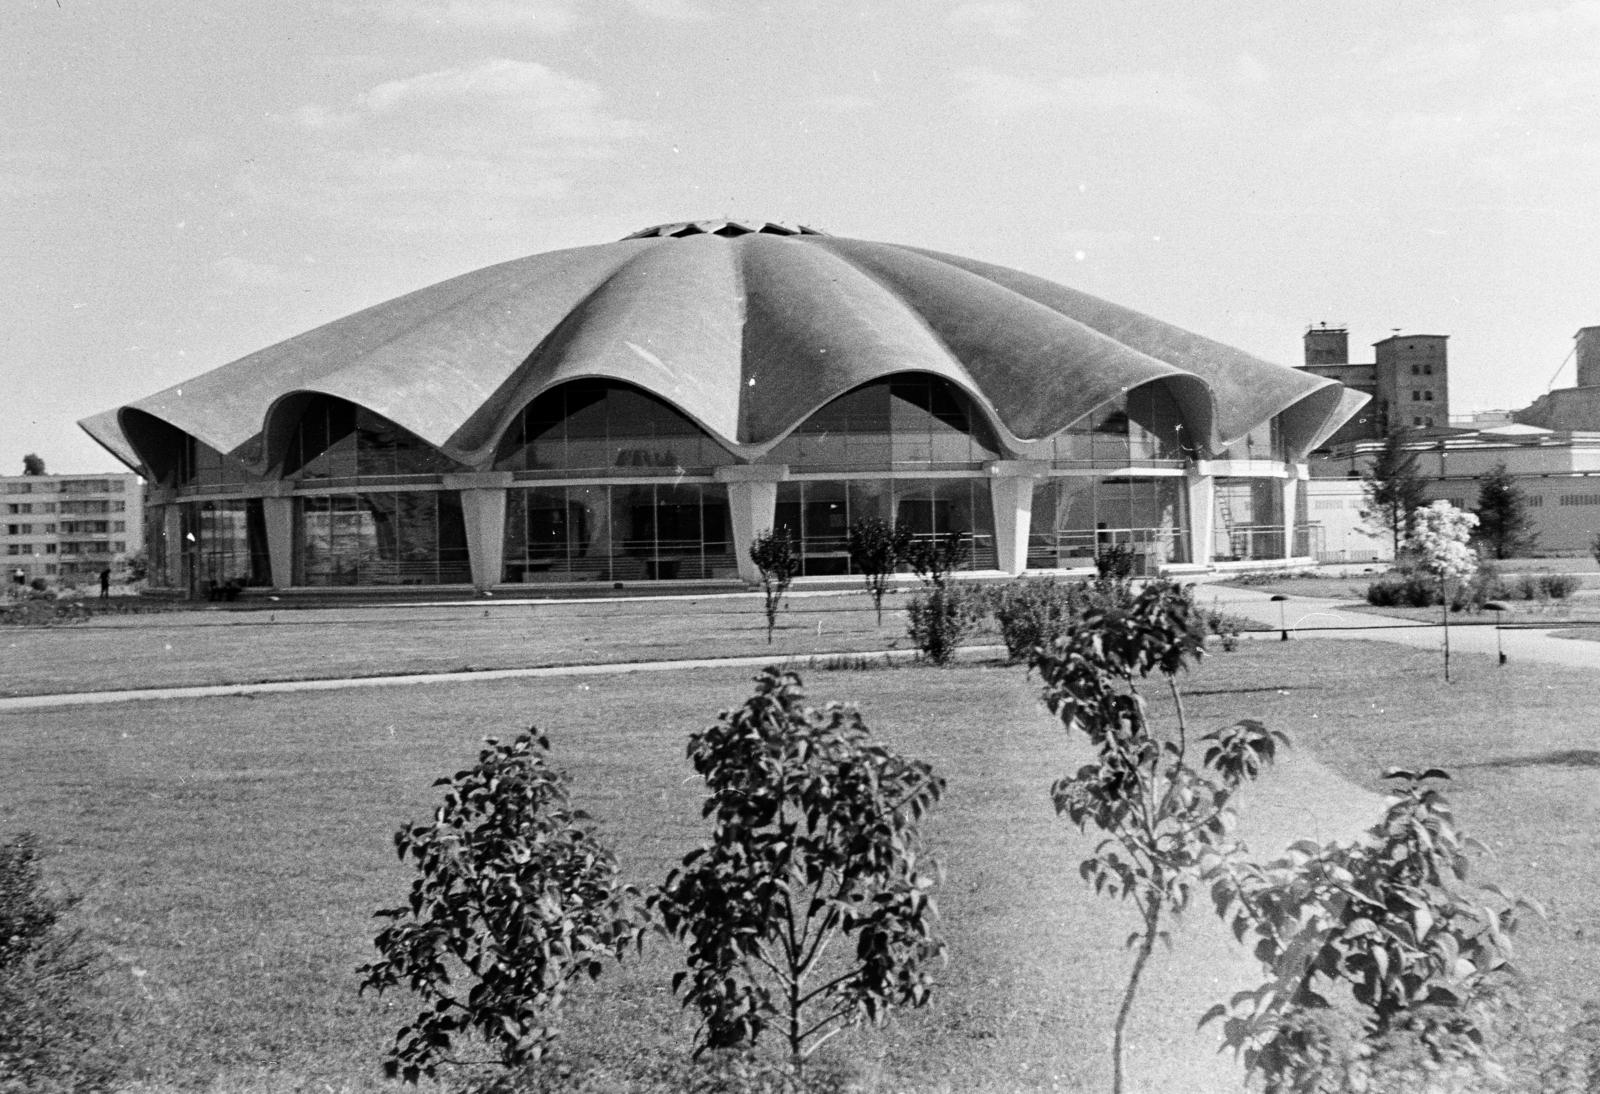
747 328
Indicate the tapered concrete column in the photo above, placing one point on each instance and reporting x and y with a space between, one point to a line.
752 502
1291 490
483 510
172 533
278 514
1202 488
1011 496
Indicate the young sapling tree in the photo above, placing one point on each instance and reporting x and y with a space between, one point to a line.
777 560
1167 820
1440 538
876 548
1380 957
810 911
516 899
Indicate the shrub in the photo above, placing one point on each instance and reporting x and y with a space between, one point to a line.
1404 590
51 1039
1114 562
1166 820
1035 611
1558 586
516 899
939 619
809 911
1382 963
1227 626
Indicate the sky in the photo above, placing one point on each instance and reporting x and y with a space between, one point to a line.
183 182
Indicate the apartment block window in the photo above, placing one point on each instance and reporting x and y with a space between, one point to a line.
119 526
19 507
1416 396
47 507
1427 370
19 529
1416 421
49 529
1416 371
1427 396
49 548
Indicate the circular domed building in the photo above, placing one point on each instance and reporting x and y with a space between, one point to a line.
640 410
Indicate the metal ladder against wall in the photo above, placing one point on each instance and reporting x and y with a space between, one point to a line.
1225 511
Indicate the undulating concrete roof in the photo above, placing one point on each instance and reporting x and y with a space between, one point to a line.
747 327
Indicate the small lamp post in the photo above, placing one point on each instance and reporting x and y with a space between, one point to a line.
1496 607
1283 625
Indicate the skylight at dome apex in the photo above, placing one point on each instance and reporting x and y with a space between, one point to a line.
640 410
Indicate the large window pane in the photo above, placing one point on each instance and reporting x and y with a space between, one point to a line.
1075 518
390 538
597 426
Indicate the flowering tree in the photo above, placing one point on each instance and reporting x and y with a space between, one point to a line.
1439 538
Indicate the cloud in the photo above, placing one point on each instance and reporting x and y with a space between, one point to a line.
242 271
540 16
677 11
1560 19
1001 18
481 141
997 96
1248 70
544 17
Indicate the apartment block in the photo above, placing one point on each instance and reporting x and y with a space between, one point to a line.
68 528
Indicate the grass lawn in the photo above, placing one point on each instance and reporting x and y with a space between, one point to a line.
230 852
230 647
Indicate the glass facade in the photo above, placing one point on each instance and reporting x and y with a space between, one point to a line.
590 427
335 439
223 542
818 513
1247 522
622 532
204 468
1076 517
1143 427
610 484
905 422
410 537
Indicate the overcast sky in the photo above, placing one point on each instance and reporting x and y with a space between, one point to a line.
183 182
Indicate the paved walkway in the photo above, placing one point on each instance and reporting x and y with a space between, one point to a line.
1323 618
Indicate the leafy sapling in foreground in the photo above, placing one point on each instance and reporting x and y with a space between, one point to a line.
810 911
1382 961
776 559
1167 820
516 899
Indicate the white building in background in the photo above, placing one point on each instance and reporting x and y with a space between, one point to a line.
1558 473
68 528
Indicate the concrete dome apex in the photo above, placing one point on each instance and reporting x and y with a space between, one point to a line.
723 227
745 326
